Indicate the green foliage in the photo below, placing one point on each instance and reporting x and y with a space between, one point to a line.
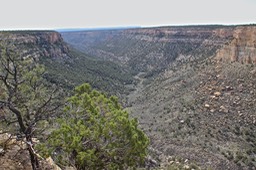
97 133
25 96
102 75
23 88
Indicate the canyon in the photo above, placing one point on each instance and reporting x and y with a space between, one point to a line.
195 89
192 88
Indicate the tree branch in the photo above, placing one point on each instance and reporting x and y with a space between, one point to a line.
19 118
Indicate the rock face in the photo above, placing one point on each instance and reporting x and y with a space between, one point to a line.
36 43
148 49
242 47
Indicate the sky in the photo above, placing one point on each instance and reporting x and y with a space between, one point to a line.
57 14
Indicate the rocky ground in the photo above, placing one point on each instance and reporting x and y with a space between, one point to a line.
203 112
14 155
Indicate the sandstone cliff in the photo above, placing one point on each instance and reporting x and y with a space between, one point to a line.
150 49
36 43
242 47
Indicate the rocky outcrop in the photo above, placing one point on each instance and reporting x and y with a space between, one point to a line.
241 48
149 49
14 155
36 43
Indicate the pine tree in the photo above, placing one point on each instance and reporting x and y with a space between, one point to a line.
25 95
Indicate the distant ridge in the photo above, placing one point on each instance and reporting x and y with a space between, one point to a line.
156 26
95 29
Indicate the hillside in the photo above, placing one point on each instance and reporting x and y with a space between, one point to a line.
103 75
202 112
66 66
151 50
195 95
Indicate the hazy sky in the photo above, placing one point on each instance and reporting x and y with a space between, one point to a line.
52 14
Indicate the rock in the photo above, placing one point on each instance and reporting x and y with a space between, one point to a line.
223 109
207 105
237 98
213 97
186 167
50 161
151 162
182 121
228 88
171 162
217 94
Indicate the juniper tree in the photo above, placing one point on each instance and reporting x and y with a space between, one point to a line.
96 133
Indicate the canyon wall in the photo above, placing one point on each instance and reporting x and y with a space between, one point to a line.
146 49
36 43
242 47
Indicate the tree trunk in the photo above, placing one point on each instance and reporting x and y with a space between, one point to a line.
27 131
33 157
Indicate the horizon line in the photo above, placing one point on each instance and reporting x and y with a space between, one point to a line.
124 27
